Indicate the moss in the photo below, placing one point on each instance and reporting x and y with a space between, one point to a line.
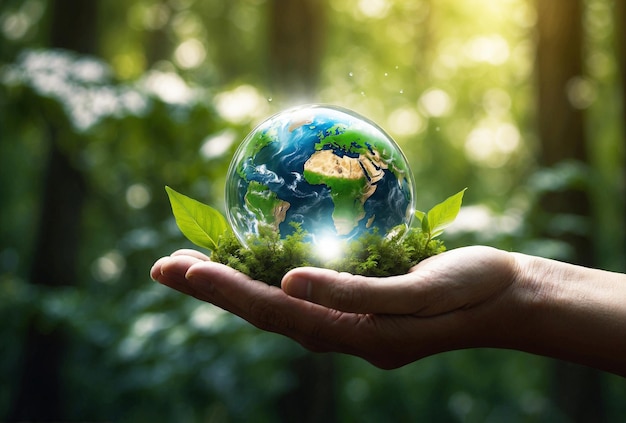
269 257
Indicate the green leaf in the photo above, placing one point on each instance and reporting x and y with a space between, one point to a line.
420 215
201 224
443 214
425 224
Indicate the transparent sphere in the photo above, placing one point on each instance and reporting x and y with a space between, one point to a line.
333 172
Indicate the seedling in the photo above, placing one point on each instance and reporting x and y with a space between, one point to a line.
268 256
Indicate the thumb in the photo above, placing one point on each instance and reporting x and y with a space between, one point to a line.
402 294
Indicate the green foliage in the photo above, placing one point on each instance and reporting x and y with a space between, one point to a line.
201 224
441 216
268 257
145 122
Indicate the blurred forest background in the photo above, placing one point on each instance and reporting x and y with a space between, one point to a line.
102 103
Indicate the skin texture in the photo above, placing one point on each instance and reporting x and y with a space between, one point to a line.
464 298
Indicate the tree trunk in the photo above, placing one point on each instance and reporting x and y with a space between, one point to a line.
620 50
577 390
39 395
561 125
296 40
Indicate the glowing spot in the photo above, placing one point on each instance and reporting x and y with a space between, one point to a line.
581 92
205 316
241 104
150 323
14 26
138 196
108 267
328 248
187 24
405 121
435 102
217 145
493 49
492 144
374 8
190 54
169 87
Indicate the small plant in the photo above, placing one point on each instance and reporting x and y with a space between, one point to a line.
268 256
441 216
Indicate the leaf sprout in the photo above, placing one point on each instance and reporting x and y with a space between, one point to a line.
268 256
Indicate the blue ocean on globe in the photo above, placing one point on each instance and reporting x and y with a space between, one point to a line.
331 171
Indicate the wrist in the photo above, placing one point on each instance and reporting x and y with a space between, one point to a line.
570 312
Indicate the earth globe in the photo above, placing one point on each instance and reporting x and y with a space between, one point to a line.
324 169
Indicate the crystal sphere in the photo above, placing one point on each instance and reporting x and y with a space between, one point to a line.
328 169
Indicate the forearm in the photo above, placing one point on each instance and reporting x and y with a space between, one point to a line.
571 313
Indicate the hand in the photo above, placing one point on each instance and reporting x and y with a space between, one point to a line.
459 299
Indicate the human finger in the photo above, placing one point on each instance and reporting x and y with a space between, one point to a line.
155 271
176 272
384 340
191 253
444 283
170 271
269 308
404 294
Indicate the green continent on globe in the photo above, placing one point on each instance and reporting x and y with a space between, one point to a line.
261 140
351 181
265 204
357 142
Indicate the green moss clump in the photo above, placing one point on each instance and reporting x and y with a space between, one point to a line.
269 257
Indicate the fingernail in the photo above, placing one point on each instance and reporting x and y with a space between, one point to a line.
153 273
299 288
157 268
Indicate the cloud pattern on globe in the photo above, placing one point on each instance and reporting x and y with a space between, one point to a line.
333 172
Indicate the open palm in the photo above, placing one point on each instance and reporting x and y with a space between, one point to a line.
455 300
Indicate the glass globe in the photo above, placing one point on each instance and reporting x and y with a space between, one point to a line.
334 173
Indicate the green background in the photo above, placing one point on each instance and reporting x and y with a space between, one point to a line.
103 103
